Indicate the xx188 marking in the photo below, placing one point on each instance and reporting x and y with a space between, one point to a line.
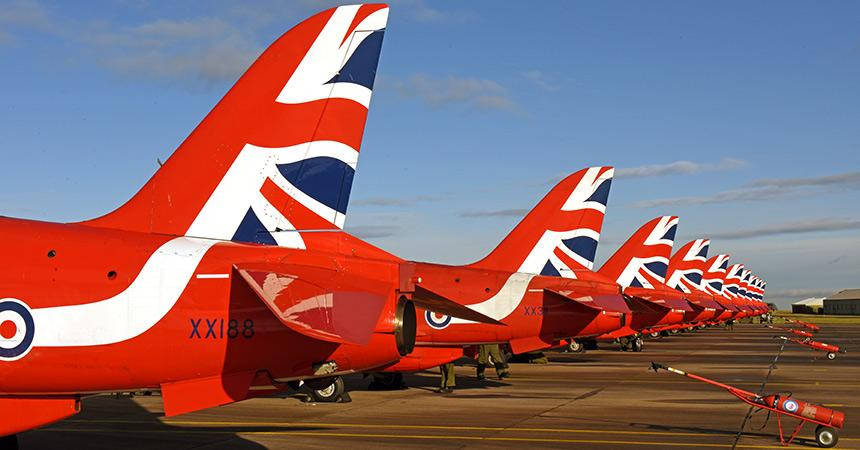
535 310
204 328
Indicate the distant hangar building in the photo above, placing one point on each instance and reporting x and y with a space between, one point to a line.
846 302
813 305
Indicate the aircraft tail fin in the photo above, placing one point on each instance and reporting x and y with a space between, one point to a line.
643 260
278 153
686 266
731 281
560 235
715 274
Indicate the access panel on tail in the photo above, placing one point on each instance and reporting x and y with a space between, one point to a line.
278 153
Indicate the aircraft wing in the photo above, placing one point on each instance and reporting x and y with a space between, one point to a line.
336 305
437 303
593 304
322 303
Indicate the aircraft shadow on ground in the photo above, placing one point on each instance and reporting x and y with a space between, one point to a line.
142 429
747 434
569 358
729 434
430 381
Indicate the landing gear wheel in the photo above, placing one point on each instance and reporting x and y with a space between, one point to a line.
655 334
9 442
575 347
674 331
330 394
826 437
637 344
831 355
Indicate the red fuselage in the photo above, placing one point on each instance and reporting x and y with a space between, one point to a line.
537 311
216 326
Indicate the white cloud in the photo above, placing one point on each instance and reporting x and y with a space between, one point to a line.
481 93
731 196
25 13
205 48
421 11
495 213
809 226
5 38
372 231
541 80
678 168
765 189
847 180
396 201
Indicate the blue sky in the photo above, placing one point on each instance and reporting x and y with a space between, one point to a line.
740 117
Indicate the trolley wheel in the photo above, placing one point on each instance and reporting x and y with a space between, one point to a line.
575 347
637 344
826 437
831 355
330 393
9 442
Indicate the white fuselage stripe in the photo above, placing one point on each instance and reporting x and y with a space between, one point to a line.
212 276
149 298
505 301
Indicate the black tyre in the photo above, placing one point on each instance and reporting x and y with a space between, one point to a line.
831 355
826 437
655 334
575 347
330 393
9 442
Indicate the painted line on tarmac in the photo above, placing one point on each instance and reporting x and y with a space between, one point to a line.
668 381
417 437
403 427
411 427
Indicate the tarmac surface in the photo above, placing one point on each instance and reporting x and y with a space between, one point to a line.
603 399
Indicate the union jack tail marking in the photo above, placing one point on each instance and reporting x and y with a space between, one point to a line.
560 235
687 266
277 155
715 274
644 259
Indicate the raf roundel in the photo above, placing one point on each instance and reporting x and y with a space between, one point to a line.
437 321
790 406
16 329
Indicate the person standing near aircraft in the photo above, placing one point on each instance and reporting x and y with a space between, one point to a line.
449 379
487 351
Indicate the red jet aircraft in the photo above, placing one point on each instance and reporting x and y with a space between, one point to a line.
685 275
639 267
227 275
713 277
538 281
